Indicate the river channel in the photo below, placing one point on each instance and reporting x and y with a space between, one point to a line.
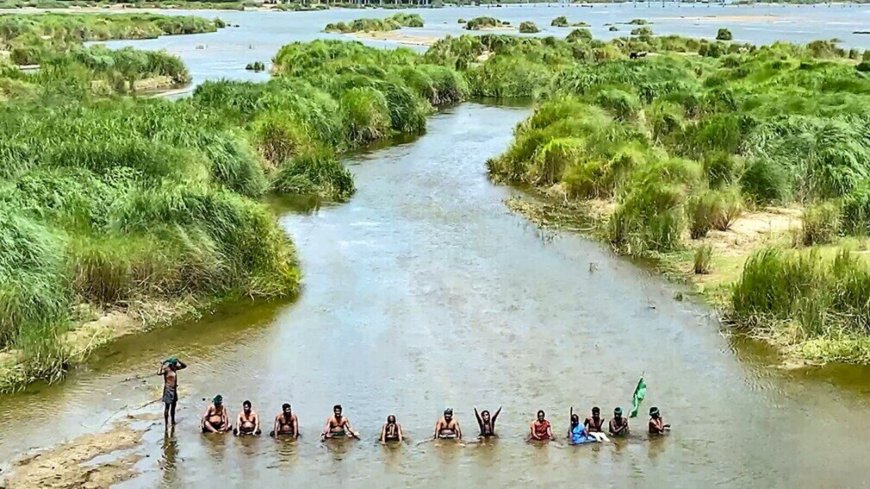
425 292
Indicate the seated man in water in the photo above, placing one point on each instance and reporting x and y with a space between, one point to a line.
216 419
337 425
248 422
657 424
618 425
286 423
486 423
391 431
447 428
595 425
577 434
540 429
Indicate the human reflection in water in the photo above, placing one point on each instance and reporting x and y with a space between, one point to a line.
169 455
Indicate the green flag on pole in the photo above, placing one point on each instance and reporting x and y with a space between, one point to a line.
639 394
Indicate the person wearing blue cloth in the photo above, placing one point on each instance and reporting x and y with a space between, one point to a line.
577 434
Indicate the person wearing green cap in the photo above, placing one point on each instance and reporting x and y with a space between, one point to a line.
618 425
169 369
216 419
657 424
447 427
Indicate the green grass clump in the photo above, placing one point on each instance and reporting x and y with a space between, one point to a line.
392 23
821 223
560 21
315 172
642 32
579 35
702 259
713 209
479 23
856 211
528 27
823 297
724 35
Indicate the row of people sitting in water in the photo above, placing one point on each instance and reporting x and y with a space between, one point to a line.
216 420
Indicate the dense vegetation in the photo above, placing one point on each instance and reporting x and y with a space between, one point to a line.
55 42
391 23
684 144
124 203
30 38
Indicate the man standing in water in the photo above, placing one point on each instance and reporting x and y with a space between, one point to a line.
657 424
447 428
286 423
248 422
169 370
540 429
337 425
618 425
485 423
391 431
216 419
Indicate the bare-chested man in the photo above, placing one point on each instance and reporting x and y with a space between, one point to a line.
169 369
391 431
618 425
595 425
337 425
657 424
286 423
447 428
216 419
248 422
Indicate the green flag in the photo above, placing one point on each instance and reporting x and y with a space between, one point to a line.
639 394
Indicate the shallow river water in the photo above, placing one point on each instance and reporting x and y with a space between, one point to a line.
425 292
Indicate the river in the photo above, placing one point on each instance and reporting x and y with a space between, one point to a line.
425 292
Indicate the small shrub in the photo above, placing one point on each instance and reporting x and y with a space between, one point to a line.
766 181
821 223
724 35
366 115
622 104
856 211
315 172
613 28
478 23
642 32
579 35
723 169
703 258
713 209
528 27
560 21
278 137
460 20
